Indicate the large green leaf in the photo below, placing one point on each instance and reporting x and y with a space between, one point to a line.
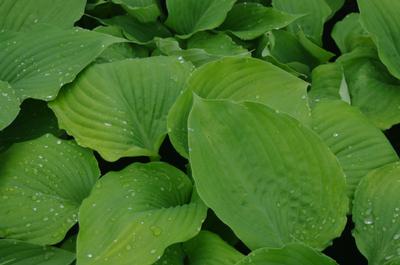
328 82
14 252
128 117
238 79
376 215
16 15
250 20
136 31
37 63
335 5
288 255
146 210
42 184
381 19
272 180
208 248
190 16
372 89
9 104
356 142
348 33
315 12
143 10
34 120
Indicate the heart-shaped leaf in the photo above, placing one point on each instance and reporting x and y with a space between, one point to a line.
356 142
208 248
190 16
273 181
288 255
42 184
238 79
128 117
17 15
21 253
376 213
147 209
250 20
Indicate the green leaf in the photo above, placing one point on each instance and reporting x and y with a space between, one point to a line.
381 19
42 184
142 10
328 82
356 142
315 13
251 20
288 255
238 79
128 117
37 63
335 5
269 178
173 255
316 51
208 248
22 253
17 15
376 214
191 16
9 104
146 210
217 44
372 89
348 33
136 31
34 120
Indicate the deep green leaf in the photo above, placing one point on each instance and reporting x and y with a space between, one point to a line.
14 252
250 20
208 248
315 13
34 120
17 15
381 19
173 255
238 79
356 142
142 10
335 5
42 184
372 89
272 180
146 210
132 100
288 255
190 16
376 214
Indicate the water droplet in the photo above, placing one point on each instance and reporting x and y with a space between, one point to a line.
89 256
368 221
335 135
156 230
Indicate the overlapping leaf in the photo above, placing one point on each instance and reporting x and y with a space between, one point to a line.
143 10
147 209
9 104
238 79
42 184
273 181
21 253
288 255
376 215
356 142
128 117
190 16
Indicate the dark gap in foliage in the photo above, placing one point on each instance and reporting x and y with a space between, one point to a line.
72 232
118 165
87 22
393 136
242 248
344 249
350 6
169 155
